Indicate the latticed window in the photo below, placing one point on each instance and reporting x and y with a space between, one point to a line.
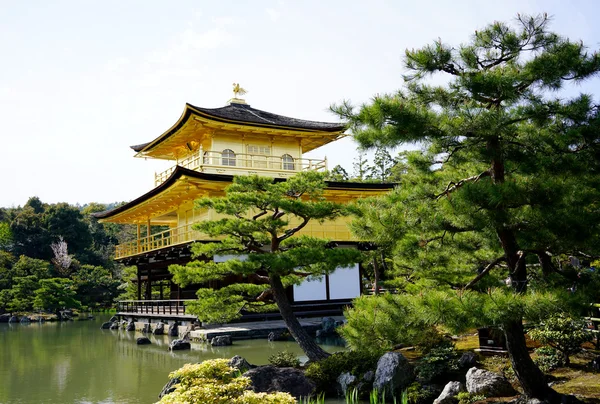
228 157
288 162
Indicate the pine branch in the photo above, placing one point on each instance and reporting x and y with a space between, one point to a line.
485 271
452 186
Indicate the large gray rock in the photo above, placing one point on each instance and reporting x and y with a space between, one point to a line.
449 393
394 373
345 382
5 317
143 341
179 345
114 326
160 329
480 381
174 330
267 379
13 319
239 363
221 340
130 326
106 326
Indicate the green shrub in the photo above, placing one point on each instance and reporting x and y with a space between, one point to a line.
436 363
215 382
325 372
564 333
468 398
418 394
547 359
284 359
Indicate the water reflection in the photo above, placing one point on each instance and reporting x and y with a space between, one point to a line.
76 362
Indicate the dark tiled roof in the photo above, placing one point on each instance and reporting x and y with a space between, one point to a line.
245 114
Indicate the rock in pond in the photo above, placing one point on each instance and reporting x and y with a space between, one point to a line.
13 319
239 363
106 326
130 326
449 393
25 320
114 326
179 345
221 340
169 387
5 317
277 336
114 319
328 325
143 341
268 379
480 381
174 330
394 373
160 329
147 328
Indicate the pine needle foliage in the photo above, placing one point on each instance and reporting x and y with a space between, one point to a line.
506 185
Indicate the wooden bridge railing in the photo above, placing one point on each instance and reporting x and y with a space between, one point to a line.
161 307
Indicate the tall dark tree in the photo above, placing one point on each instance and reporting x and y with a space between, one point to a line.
382 165
338 173
260 225
360 166
508 179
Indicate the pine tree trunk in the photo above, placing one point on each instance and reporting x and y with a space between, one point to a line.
306 342
529 375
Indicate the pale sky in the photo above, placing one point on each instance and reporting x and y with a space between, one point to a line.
81 81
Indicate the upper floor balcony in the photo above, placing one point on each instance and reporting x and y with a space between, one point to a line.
229 162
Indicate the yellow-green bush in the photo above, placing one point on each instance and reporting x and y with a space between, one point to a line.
215 382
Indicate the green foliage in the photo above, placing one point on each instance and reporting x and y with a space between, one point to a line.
468 398
419 394
325 372
54 294
382 165
338 173
95 286
437 363
564 333
5 236
213 381
387 319
548 359
284 359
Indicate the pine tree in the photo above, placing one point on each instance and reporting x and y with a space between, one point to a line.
360 166
338 174
382 165
261 219
506 185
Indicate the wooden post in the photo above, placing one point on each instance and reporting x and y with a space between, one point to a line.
139 236
149 285
139 284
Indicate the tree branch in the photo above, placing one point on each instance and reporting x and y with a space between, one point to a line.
485 271
452 186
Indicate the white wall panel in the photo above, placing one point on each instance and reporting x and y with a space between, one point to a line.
310 289
344 283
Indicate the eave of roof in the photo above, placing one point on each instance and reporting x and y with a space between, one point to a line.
245 115
181 171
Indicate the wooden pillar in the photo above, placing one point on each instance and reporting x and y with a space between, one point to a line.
139 236
149 285
139 284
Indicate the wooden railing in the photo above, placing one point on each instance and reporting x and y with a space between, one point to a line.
157 307
202 159
177 235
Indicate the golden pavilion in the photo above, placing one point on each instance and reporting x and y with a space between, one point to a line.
207 147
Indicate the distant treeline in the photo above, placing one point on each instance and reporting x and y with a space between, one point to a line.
55 256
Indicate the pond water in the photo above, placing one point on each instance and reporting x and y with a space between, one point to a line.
76 362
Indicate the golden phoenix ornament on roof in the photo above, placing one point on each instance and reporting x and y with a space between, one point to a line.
237 90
